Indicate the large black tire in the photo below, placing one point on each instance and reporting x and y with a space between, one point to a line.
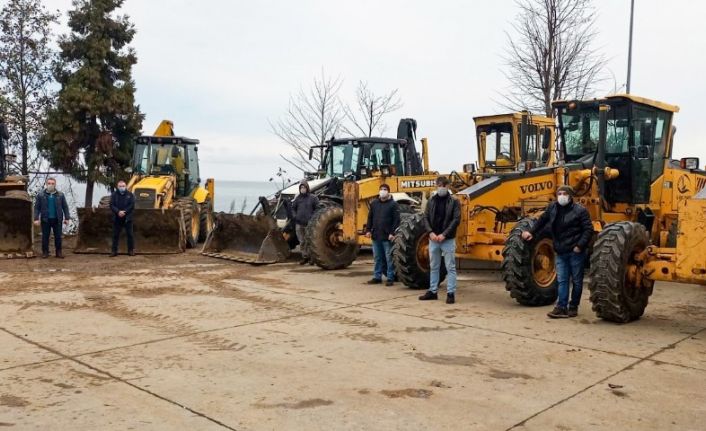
205 220
104 202
410 253
191 213
529 266
618 294
323 232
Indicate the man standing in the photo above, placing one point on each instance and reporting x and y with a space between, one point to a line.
304 206
122 204
443 215
51 210
383 221
571 229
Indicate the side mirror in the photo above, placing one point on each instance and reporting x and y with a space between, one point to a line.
469 168
689 163
311 153
546 138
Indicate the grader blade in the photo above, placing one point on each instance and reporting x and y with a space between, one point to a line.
15 227
156 231
248 239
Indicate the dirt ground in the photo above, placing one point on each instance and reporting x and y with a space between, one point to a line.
194 343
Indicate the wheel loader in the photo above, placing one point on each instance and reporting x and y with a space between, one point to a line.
513 146
15 207
268 236
173 211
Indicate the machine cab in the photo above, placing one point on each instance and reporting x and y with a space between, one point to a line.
637 141
167 155
501 147
363 157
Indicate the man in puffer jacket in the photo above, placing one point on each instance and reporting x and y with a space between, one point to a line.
571 230
303 207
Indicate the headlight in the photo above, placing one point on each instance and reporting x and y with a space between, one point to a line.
689 163
363 172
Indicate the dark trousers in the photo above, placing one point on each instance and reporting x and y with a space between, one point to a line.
48 226
119 225
570 266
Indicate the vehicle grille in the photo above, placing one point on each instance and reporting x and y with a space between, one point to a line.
145 198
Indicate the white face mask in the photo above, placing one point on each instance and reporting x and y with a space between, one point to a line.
51 188
563 200
384 194
442 191
122 189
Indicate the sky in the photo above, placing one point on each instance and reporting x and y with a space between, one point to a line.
222 70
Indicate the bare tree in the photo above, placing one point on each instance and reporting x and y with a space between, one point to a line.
313 116
550 54
26 60
365 117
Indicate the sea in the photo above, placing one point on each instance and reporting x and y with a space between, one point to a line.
230 196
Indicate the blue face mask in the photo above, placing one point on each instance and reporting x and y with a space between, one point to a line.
122 189
442 191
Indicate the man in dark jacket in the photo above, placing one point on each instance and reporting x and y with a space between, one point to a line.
122 204
50 211
303 207
442 217
383 221
571 229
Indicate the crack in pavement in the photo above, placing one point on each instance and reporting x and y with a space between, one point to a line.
116 378
627 367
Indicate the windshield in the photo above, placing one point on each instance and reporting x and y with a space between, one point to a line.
497 139
347 158
342 159
159 159
579 131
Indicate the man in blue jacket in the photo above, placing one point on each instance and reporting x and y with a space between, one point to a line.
122 204
50 211
571 229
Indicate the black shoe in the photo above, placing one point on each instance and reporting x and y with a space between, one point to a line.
304 261
451 298
429 296
389 283
45 255
573 312
558 313
59 255
374 281
131 253
113 254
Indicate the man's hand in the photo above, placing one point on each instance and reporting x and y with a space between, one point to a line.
121 213
527 236
577 249
433 237
66 221
391 237
368 235
440 238
36 223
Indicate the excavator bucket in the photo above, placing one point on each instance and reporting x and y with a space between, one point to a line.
248 239
15 227
156 231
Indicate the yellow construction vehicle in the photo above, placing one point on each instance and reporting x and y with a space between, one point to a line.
172 209
514 146
15 207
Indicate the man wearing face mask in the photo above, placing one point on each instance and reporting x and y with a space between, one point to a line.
383 221
50 210
571 230
443 215
122 204
303 207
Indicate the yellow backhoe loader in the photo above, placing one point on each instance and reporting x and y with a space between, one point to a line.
173 210
15 207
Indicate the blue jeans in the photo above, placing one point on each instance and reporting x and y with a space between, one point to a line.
447 250
382 252
49 226
570 265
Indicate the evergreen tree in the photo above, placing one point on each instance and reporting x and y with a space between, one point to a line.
26 60
90 131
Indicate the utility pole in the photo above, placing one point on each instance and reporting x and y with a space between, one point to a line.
632 13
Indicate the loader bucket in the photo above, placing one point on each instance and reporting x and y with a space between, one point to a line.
15 227
156 231
248 239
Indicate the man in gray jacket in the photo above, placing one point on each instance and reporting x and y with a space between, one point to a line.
50 211
303 207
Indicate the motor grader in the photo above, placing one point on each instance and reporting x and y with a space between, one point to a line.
173 211
268 236
510 146
15 207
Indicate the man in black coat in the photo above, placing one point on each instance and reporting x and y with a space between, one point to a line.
383 221
571 229
303 207
122 204
50 211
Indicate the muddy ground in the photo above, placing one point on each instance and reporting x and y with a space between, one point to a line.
194 343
